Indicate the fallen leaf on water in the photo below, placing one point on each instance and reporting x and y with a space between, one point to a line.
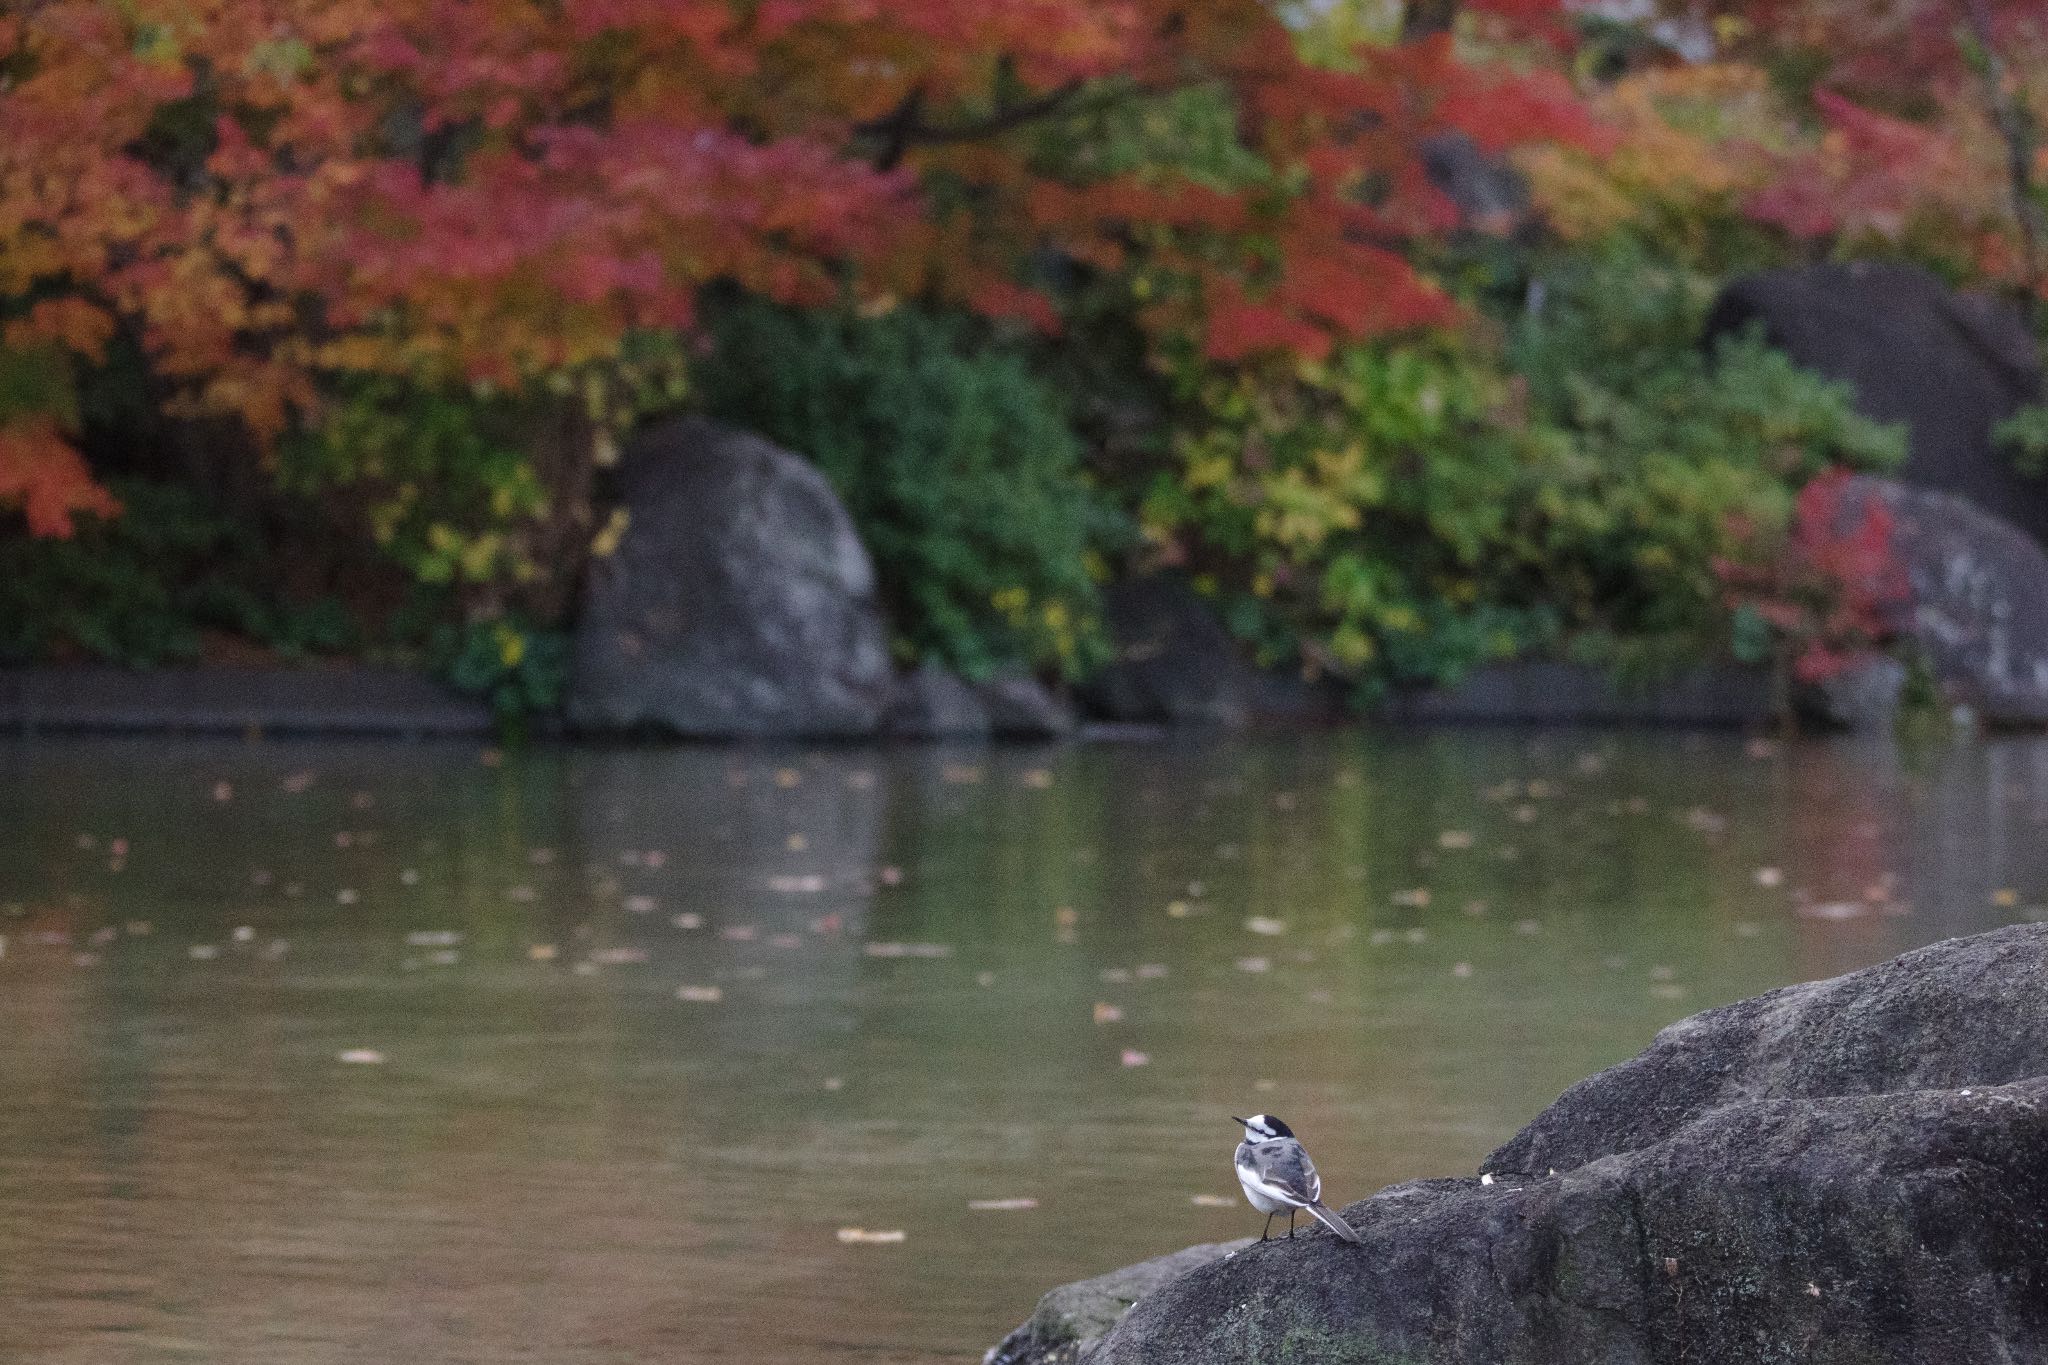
1151 971
2005 897
434 938
1001 1205
1254 964
908 949
617 957
1455 838
794 886
1178 909
866 1235
1260 924
640 905
700 995
1038 778
1133 1057
688 921
1769 876
542 952
1211 1201
204 952
1106 1013
361 1056
1417 898
1833 910
796 843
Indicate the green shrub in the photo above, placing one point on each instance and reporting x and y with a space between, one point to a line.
2024 436
140 589
519 670
956 464
1412 508
1668 455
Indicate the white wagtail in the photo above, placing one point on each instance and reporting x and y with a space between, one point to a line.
1277 1174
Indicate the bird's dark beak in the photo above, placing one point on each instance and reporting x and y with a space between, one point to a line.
1235 1119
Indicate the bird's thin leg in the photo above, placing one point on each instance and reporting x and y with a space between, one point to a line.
1268 1228
1290 1223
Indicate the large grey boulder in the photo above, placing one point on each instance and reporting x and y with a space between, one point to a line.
931 703
739 603
1949 365
1072 1318
1899 1229
1968 1011
1978 606
1851 1172
1021 707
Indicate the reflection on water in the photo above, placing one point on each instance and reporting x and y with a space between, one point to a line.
910 981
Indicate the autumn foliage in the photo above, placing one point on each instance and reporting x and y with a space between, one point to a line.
265 196
1831 596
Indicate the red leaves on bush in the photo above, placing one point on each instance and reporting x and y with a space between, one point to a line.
1832 590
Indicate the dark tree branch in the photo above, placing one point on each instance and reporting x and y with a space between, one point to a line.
904 127
2015 123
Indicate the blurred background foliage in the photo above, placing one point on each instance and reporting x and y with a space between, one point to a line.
1095 345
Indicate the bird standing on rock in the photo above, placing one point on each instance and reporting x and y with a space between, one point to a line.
1276 1174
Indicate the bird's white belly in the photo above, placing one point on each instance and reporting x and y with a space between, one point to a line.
1260 1200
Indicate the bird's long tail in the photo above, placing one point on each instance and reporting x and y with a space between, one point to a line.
1333 1222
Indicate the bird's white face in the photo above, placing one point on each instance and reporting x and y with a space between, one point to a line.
1260 1128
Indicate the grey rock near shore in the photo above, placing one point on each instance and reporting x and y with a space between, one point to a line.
1075 1316
739 603
1850 1172
932 703
1979 599
1021 707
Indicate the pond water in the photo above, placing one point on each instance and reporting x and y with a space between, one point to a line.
343 1052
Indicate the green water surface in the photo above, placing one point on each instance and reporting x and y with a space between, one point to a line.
320 1052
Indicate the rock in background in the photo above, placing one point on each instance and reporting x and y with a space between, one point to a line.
739 603
1949 365
932 703
1848 1172
1978 612
1175 661
1021 707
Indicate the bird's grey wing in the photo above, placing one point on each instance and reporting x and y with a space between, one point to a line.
1284 1165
